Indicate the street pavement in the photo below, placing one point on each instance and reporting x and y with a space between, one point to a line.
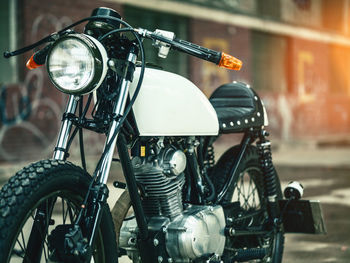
330 185
325 174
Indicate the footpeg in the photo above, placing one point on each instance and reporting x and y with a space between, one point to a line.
243 255
120 185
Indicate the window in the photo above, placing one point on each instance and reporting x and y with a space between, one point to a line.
269 70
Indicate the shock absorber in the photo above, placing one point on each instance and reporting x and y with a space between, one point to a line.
264 148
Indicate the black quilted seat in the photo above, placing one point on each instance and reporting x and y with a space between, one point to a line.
238 107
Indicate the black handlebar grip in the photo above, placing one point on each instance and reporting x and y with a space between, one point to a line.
189 48
198 51
39 57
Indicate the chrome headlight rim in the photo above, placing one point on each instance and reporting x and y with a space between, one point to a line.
99 55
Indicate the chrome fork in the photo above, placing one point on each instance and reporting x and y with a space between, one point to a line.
60 152
118 111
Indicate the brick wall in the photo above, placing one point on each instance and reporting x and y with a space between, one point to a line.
306 89
31 110
229 39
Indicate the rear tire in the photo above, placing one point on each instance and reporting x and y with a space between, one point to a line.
249 191
37 185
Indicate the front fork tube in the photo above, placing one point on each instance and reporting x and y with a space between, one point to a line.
270 176
60 152
103 170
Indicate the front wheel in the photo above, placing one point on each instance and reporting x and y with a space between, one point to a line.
252 212
35 201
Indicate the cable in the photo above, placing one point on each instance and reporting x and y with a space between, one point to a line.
126 29
81 138
126 112
55 36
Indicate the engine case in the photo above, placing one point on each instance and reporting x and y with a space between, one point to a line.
199 231
180 235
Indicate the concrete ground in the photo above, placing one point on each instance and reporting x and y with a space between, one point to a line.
325 174
330 185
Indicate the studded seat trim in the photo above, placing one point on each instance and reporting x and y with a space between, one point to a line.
238 107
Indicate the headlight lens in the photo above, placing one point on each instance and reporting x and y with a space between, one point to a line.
77 64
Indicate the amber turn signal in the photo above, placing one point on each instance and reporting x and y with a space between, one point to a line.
230 62
31 64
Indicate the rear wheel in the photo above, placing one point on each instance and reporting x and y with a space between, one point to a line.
252 212
35 201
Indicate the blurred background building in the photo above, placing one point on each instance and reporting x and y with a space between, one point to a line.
296 54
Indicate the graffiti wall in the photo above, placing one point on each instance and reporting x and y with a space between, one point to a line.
31 110
304 84
316 102
29 118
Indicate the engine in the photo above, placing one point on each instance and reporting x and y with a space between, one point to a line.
161 178
188 233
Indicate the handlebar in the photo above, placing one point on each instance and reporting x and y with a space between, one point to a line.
197 51
220 58
164 39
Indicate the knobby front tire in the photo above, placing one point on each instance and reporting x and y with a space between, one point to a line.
49 183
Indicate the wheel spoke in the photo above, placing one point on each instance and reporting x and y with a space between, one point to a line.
72 213
242 185
239 193
24 243
252 193
249 186
64 213
19 243
47 221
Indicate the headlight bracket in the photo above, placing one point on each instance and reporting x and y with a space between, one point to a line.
122 68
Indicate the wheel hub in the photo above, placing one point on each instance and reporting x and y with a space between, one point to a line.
66 243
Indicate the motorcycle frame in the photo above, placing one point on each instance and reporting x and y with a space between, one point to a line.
113 139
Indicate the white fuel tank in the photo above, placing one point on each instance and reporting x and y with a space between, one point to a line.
171 105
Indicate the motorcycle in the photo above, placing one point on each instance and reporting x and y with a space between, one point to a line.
177 204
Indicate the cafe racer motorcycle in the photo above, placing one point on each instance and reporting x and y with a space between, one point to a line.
177 204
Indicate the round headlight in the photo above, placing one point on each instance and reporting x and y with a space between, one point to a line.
77 64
